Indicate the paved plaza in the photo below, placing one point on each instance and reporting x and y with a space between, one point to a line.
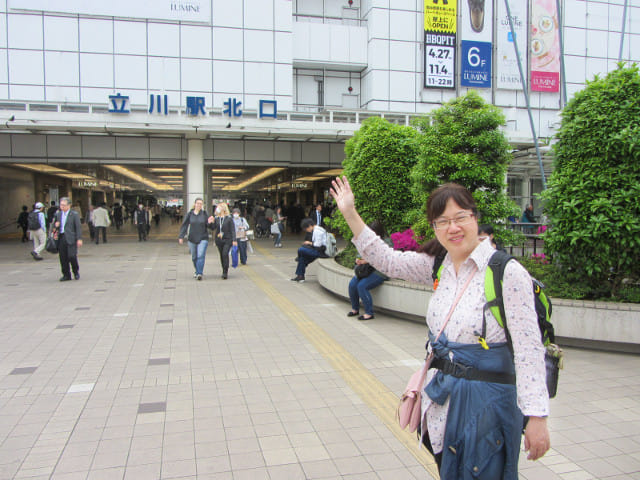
137 371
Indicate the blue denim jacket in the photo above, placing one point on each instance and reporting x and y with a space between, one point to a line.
484 424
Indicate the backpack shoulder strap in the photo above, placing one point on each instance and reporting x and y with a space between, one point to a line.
437 269
493 284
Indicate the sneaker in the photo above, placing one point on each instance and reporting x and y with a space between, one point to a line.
298 278
195 275
199 277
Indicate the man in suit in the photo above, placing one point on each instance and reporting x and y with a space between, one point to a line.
67 222
316 215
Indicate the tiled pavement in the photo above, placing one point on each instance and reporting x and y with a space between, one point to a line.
137 371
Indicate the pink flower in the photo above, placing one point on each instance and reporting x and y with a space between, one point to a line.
404 241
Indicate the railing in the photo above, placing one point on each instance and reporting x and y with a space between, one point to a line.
532 234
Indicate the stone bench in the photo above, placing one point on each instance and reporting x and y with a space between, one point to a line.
584 323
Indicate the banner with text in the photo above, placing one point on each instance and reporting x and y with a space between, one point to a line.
507 73
477 34
440 26
184 10
545 47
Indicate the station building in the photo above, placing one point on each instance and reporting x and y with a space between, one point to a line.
175 99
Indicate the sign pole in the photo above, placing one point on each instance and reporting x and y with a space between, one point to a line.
563 79
525 90
624 25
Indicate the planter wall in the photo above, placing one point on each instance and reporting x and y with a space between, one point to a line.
601 325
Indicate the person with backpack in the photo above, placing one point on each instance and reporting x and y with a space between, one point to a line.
483 380
37 226
314 246
23 223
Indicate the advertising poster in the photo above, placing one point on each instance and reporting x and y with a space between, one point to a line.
476 32
545 47
440 25
507 73
185 10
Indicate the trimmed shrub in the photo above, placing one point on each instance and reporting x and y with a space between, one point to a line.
378 159
463 143
593 199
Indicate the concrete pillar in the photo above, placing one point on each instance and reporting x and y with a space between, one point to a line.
195 172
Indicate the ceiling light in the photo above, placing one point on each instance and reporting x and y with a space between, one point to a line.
308 179
256 178
222 177
168 170
135 176
169 176
330 173
227 170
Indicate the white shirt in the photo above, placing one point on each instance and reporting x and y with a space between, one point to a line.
533 399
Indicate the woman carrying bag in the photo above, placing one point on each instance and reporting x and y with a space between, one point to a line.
224 233
277 227
477 393
197 221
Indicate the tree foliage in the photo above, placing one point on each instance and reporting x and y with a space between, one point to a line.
377 161
462 143
593 199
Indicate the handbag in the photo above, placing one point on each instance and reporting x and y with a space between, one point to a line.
409 411
363 270
51 246
275 229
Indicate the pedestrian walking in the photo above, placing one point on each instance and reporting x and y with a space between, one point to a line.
197 222
224 235
141 220
69 228
51 212
242 226
278 220
23 223
473 428
102 221
89 221
37 229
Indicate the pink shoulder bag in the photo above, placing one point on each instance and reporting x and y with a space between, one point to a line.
409 408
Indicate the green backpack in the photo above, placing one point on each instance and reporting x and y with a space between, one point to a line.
493 292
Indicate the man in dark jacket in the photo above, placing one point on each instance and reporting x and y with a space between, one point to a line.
69 227
51 212
23 222
141 219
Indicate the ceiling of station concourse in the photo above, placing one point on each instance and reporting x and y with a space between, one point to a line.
171 179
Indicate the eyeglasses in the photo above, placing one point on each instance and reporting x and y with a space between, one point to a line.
462 219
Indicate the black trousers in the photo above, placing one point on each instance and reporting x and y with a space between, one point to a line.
92 230
224 248
68 257
142 231
104 234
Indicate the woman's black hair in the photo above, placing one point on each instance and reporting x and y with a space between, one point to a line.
437 204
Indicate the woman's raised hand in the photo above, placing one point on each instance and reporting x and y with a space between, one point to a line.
342 194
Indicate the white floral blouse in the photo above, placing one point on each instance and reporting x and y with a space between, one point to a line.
466 320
